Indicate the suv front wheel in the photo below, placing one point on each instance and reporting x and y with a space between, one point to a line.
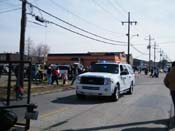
116 94
131 89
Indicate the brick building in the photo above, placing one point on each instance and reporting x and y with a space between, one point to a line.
86 58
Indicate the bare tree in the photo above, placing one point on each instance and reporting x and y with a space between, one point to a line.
29 47
46 50
38 52
41 52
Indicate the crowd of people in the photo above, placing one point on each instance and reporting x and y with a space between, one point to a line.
153 72
52 73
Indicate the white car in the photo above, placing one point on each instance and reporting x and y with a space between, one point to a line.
106 79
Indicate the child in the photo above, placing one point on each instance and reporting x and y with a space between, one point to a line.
64 77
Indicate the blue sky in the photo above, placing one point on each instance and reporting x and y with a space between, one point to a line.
102 17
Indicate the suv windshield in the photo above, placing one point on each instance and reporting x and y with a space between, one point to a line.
109 68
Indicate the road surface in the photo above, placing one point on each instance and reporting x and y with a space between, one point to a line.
146 110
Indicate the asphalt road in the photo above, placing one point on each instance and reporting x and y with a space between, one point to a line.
146 110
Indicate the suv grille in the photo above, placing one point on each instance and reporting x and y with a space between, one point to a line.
92 80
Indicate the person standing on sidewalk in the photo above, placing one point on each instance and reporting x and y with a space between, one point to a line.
75 73
49 75
55 76
64 77
169 81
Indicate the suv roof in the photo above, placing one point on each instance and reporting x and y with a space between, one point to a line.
111 63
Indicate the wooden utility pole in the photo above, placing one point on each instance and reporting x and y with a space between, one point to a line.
149 47
22 45
129 22
154 54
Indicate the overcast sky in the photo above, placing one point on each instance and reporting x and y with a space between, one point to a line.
101 17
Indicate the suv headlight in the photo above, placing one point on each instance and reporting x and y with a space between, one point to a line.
107 81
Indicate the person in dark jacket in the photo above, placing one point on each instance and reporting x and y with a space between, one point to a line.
75 73
49 74
169 82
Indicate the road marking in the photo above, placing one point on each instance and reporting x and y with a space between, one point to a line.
42 116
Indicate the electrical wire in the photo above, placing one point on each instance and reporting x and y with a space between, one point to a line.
10 10
73 25
115 8
75 32
138 50
6 2
105 10
37 5
81 18
36 23
119 5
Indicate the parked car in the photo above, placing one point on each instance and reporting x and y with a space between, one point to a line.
106 79
64 69
4 68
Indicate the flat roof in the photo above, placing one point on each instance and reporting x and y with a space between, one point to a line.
85 54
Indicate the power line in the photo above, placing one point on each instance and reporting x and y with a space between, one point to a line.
85 35
8 3
81 18
75 32
35 1
138 50
36 23
117 9
119 5
10 10
105 10
73 25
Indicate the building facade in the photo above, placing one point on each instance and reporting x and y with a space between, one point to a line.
86 58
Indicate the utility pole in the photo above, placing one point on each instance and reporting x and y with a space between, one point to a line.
149 47
22 45
154 54
129 22
161 53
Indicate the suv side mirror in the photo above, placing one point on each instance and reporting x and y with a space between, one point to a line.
125 72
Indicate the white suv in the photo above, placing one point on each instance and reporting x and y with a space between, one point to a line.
106 79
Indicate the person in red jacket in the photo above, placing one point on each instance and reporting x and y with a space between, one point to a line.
55 75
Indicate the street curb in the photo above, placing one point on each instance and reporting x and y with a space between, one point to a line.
52 91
